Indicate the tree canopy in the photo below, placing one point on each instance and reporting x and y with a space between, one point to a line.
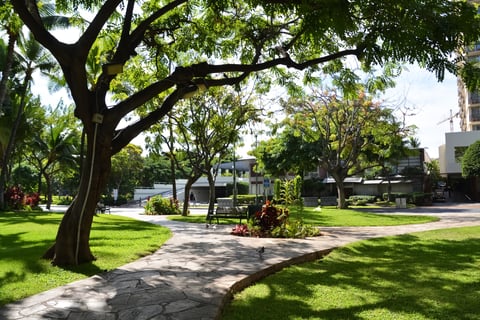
349 134
169 50
471 161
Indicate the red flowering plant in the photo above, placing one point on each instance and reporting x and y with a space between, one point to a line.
32 199
14 198
269 218
240 230
273 221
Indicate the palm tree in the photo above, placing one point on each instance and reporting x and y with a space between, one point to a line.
11 24
32 57
53 149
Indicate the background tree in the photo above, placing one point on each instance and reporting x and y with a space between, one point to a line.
206 127
11 25
182 45
156 168
350 133
127 166
32 57
433 175
287 153
54 149
471 161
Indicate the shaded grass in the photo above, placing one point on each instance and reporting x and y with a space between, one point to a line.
330 216
427 275
25 236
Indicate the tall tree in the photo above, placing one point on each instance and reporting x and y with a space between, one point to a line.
54 148
33 57
352 134
156 168
11 25
127 167
287 153
206 129
217 43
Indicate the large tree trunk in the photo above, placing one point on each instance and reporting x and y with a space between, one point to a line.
342 203
72 245
186 200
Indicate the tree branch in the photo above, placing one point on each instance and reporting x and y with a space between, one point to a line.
124 136
28 12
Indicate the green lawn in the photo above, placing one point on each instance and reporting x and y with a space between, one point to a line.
25 236
330 216
427 275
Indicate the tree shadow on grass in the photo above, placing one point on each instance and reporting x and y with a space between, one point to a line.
403 277
22 247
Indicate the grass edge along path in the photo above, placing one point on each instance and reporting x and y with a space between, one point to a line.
332 217
424 275
25 236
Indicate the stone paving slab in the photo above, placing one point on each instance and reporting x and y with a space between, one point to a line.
196 271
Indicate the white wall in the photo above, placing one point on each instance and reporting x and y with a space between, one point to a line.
448 164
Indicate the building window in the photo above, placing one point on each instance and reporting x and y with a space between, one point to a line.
459 152
475 114
476 127
474 97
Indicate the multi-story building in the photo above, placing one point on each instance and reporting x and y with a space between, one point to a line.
468 101
450 154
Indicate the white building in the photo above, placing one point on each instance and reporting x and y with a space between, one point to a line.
450 155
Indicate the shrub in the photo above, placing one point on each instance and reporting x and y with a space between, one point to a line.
32 200
420 198
240 230
14 198
394 195
160 205
360 200
65 200
245 199
242 188
270 217
313 187
272 221
297 229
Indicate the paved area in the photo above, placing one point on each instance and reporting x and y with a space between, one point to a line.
195 272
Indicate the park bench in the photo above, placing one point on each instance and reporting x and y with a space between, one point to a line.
102 208
226 210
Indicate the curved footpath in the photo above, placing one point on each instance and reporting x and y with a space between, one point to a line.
195 272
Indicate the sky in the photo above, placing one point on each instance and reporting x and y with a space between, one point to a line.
428 100
431 102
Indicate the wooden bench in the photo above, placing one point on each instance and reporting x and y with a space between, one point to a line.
228 212
102 208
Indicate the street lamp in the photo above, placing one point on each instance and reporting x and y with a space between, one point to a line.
234 179
256 173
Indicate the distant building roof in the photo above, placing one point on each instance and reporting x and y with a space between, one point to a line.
240 164
347 180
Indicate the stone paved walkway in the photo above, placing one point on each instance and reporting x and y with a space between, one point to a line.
194 273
